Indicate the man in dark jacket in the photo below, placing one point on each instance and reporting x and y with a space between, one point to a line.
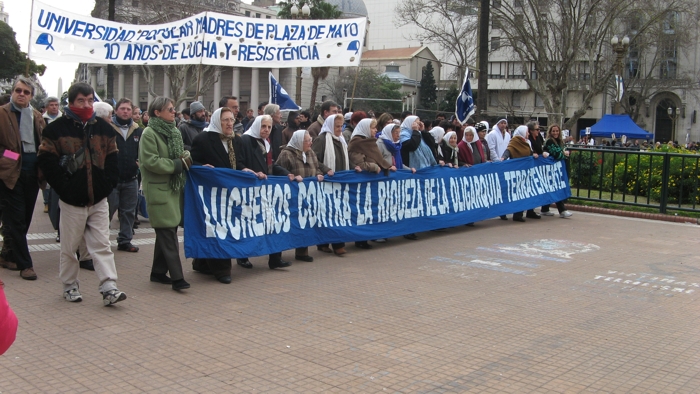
125 196
537 143
20 135
327 108
190 128
78 156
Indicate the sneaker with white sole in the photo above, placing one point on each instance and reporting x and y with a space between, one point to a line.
565 214
547 213
72 295
113 296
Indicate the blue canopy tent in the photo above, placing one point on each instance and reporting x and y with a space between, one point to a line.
619 125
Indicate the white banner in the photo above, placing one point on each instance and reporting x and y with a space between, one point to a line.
210 38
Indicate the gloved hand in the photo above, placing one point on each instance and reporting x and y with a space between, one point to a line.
186 160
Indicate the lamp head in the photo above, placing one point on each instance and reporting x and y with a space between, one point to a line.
669 110
306 10
625 41
614 40
294 10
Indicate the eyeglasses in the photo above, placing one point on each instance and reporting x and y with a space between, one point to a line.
235 107
171 109
227 120
25 91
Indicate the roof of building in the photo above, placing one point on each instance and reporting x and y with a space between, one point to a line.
393 53
392 72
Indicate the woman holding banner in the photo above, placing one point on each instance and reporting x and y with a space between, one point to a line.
332 150
448 150
216 147
298 158
471 151
163 161
557 150
519 146
364 154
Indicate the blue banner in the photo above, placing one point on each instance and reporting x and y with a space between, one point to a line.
233 214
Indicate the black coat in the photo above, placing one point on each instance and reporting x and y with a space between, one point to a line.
276 141
252 157
207 148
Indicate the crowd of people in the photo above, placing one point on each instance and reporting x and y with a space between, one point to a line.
94 159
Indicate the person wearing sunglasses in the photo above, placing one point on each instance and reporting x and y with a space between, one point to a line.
21 127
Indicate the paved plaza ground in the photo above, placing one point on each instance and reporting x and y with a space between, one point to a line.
589 304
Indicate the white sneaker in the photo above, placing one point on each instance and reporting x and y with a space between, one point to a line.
72 295
113 296
547 213
565 214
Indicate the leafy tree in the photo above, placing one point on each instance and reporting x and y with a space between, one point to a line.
428 88
370 84
448 102
14 61
319 10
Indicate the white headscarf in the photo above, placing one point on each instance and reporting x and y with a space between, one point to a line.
297 142
215 123
363 129
254 131
476 137
486 124
408 122
437 133
329 153
521 131
447 137
386 132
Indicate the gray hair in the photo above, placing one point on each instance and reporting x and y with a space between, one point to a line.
102 109
265 117
271 109
531 125
158 104
50 100
25 81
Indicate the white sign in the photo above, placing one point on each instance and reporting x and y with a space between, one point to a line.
208 38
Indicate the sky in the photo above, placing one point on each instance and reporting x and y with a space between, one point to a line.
20 20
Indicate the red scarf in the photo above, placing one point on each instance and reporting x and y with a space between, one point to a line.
465 154
83 113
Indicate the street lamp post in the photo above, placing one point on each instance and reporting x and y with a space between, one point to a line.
620 48
673 114
305 13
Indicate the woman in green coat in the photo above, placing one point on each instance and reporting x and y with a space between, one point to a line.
163 160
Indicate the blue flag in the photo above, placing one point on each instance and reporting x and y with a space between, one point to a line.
280 97
465 100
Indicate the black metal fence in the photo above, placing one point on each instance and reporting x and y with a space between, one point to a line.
653 179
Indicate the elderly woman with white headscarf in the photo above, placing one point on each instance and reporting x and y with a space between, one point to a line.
332 150
415 151
519 146
299 159
448 151
437 132
471 151
217 147
365 154
256 157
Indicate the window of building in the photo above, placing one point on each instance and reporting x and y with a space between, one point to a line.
134 20
518 18
668 69
495 43
495 22
584 71
670 21
539 103
493 98
517 98
135 3
518 3
496 4
533 71
247 13
632 68
257 15
515 70
268 17
497 70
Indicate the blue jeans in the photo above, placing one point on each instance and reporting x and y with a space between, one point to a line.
124 197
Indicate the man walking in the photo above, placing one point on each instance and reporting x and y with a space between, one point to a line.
327 108
20 135
78 156
124 197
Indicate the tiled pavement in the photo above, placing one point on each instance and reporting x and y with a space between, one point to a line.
589 304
